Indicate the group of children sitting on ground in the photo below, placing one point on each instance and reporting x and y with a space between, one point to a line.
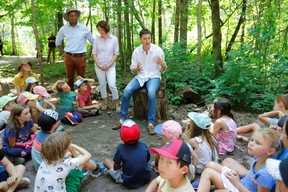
61 165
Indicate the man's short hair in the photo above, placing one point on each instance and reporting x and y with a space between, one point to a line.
144 32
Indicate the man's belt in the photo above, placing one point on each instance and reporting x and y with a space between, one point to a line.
75 54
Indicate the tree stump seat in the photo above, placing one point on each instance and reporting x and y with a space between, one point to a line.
140 100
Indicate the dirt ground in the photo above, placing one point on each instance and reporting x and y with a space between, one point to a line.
95 135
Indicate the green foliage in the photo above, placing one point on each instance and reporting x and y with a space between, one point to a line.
182 72
246 83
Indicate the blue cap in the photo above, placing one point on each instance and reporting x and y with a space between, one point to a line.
78 83
202 120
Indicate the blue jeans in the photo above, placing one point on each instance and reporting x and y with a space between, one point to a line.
152 86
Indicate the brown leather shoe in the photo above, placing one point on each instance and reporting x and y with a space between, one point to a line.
151 129
117 125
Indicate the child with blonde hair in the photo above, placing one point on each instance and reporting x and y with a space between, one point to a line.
233 176
67 97
59 172
203 142
18 131
271 118
224 127
25 71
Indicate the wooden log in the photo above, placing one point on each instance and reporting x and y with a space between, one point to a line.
140 101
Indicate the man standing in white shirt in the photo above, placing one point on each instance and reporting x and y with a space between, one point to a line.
74 52
148 63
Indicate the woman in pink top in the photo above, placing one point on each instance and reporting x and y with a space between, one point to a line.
105 52
224 127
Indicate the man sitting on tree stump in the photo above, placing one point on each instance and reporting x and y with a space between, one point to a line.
148 63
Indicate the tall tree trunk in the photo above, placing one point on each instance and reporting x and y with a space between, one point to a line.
89 18
177 17
241 20
153 21
60 21
12 19
199 11
160 22
128 31
183 22
217 37
106 11
35 30
119 25
136 14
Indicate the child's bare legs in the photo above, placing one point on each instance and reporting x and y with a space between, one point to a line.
216 166
265 120
235 165
247 128
210 176
89 165
20 170
108 163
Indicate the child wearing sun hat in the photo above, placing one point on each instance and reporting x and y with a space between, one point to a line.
130 162
6 105
203 142
171 130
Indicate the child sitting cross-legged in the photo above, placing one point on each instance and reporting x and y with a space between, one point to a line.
130 162
203 142
17 135
231 175
59 171
86 106
175 157
49 121
224 127
11 177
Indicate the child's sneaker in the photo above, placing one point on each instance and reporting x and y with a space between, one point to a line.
101 169
85 171
23 184
60 128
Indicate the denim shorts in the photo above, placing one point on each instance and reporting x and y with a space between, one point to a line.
3 174
117 175
273 121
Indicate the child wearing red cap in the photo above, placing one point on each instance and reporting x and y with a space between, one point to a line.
175 157
130 162
172 130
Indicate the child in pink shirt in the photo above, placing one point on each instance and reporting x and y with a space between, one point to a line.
86 106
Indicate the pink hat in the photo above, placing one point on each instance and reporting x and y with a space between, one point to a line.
174 149
40 90
170 129
23 97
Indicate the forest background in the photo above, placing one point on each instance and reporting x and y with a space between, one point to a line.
231 48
